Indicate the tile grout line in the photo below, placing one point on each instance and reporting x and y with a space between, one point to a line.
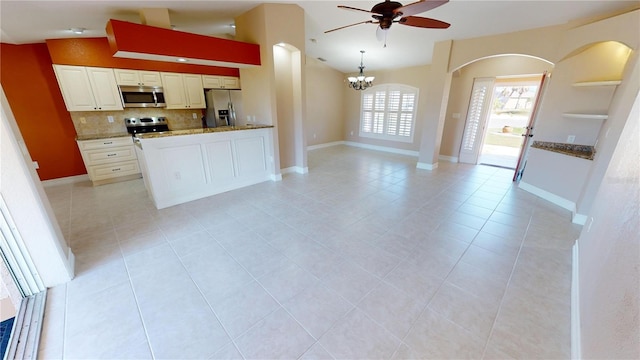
515 263
202 293
135 297
448 274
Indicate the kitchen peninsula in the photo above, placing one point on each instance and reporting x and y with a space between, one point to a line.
185 165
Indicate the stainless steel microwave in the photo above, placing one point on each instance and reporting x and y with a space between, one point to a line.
142 96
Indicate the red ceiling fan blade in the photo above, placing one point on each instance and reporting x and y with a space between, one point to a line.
423 22
354 9
419 7
346 26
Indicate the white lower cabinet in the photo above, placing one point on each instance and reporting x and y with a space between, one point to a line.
183 168
109 160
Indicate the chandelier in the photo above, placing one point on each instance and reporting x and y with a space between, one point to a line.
360 82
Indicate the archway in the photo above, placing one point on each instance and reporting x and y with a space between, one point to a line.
288 65
498 69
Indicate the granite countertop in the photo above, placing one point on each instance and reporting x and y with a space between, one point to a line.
101 136
201 131
575 150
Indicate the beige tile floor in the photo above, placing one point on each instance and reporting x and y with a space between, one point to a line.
365 257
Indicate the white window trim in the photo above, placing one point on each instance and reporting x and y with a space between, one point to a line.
387 88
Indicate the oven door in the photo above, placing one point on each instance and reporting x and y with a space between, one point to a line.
142 97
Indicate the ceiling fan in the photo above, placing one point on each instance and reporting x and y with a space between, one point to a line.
388 12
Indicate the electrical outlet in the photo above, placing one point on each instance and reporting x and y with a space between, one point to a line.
83 120
314 136
35 165
110 118
352 133
571 139
195 116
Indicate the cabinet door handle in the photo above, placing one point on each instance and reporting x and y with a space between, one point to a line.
112 154
116 169
107 143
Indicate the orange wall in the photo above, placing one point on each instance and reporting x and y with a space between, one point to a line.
96 52
30 85
142 39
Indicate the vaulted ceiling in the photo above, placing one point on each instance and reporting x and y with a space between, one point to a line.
34 21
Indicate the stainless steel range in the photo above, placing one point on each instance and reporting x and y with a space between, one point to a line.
146 125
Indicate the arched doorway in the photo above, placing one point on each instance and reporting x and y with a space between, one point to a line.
502 89
288 65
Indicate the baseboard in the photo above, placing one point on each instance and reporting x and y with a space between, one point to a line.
425 166
452 159
382 148
579 219
325 145
295 169
575 303
65 180
553 198
275 177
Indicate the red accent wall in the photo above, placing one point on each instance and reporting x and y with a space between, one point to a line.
144 39
96 52
30 85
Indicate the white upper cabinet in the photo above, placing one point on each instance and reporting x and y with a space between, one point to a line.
183 91
220 82
137 77
88 88
194 91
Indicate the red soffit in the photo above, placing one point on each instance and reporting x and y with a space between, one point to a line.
135 41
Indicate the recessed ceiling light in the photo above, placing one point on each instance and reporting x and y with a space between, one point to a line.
77 30
181 60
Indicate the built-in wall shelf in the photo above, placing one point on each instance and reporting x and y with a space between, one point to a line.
586 116
597 83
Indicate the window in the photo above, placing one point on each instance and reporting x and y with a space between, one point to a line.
389 112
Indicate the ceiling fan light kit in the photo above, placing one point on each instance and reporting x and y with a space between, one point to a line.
361 81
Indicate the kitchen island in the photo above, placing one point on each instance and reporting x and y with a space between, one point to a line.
185 165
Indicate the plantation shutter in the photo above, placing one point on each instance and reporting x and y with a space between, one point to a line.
476 119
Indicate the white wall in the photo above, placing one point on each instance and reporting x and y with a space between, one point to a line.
28 205
609 261
579 59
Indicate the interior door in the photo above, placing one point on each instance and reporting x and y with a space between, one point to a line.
522 160
481 94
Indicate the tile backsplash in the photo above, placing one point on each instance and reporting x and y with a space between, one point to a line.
96 122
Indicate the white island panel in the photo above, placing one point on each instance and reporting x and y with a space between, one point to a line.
220 154
187 167
252 157
184 170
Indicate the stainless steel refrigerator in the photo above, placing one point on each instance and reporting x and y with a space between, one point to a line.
224 107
